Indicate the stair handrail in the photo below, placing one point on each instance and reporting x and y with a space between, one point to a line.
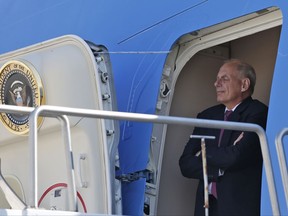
47 110
282 160
65 125
57 111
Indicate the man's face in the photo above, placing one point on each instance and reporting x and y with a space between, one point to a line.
228 86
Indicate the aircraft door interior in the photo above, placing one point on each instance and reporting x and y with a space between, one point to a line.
192 90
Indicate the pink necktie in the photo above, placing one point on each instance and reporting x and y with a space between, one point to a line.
226 115
213 187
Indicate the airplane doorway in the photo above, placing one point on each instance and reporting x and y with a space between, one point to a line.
192 90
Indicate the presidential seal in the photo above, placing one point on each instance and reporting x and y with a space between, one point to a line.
20 85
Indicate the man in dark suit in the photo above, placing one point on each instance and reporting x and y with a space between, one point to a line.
234 164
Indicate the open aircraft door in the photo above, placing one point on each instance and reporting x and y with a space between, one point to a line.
69 72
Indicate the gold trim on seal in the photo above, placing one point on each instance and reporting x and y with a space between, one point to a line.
20 85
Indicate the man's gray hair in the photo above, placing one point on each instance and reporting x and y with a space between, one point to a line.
246 70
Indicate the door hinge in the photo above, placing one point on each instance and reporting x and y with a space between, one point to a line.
130 177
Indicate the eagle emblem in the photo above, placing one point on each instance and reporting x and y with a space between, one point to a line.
20 94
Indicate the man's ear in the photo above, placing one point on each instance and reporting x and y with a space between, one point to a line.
245 84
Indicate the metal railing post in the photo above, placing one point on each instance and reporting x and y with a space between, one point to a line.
71 186
282 160
205 173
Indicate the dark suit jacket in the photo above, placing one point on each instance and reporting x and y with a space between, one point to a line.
239 189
